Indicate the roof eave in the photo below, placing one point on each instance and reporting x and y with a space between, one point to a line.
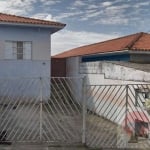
139 51
56 27
124 51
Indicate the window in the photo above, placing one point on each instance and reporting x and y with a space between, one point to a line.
18 50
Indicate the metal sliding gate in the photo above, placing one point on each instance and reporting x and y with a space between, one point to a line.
68 111
40 110
118 116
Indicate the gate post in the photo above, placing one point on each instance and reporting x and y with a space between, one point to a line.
126 112
41 107
84 110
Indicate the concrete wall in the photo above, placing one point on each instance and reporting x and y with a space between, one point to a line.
108 74
16 72
102 72
72 67
114 71
140 58
24 89
72 71
24 69
39 65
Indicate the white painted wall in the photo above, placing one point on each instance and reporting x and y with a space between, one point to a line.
72 67
39 65
72 71
24 69
39 36
19 75
114 71
107 73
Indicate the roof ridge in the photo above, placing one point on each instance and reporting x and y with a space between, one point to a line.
132 43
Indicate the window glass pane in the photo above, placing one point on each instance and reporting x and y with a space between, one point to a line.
27 50
19 44
19 50
8 50
19 56
14 50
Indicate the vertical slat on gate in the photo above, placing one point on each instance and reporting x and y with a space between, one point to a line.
126 111
84 111
41 109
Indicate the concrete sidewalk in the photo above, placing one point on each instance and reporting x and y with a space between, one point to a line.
38 147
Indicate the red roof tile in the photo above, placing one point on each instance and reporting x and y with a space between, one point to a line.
143 43
6 18
138 41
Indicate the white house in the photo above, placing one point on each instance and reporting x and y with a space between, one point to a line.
25 46
25 49
124 55
25 54
109 66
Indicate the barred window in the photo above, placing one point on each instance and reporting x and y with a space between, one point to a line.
18 50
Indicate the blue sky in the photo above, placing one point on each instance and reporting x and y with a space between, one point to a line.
88 21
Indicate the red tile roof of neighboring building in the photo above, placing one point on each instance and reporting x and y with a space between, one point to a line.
6 18
138 41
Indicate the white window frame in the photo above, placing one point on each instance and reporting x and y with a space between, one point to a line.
11 50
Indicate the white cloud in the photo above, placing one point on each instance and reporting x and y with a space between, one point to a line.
114 15
140 4
66 40
44 16
91 15
93 6
114 10
50 2
79 3
105 4
66 15
19 7
113 21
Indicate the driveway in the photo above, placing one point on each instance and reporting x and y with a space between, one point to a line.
38 147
